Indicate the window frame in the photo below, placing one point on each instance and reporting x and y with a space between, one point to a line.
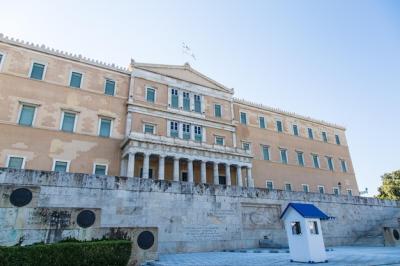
327 163
171 95
286 155
333 191
246 118
266 184
343 163
82 78
189 126
62 120
318 161
21 105
310 133
314 230
195 134
105 86
100 164
244 143
146 94
215 110
337 139
324 136
268 150
215 140
351 192
323 189
297 130
33 61
175 130
279 121
302 157
149 124
63 161
291 189
296 228
99 126
308 188
9 156
3 58
188 98
260 117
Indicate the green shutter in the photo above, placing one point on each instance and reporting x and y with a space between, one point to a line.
105 127
68 122
27 114
76 80
100 169
37 71
266 153
60 166
110 87
15 162
151 95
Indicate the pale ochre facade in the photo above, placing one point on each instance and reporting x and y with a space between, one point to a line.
191 155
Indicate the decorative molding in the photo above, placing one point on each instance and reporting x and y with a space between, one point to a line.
66 55
286 113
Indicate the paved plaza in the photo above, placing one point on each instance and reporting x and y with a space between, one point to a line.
366 256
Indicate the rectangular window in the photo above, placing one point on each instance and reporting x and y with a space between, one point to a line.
349 192
60 166
305 188
26 116
300 158
344 166
265 150
105 127
295 130
321 189
324 137
288 187
246 146
279 127
100 169
197 103
284 159
68 122
150 95
243 118
37 71
219 140
109 87
315 160
149 129
329 162
336 191
337 139
313 226
261 122
186 131
270 185
310 133
174 98
197 134
1 60
15 162
217 110
296 229
174 129
186 101
76 80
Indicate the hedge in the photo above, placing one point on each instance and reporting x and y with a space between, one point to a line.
99 253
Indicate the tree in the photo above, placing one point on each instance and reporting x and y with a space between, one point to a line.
390 188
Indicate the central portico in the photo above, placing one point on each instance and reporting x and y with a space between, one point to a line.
158 157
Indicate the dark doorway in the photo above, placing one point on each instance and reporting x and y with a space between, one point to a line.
222 180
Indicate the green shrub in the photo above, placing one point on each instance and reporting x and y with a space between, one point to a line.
98 253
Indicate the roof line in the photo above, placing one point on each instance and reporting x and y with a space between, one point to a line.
282 112
186 66
46 49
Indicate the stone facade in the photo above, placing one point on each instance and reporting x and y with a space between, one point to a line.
157 121
189 217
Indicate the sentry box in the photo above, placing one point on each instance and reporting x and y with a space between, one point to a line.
303 229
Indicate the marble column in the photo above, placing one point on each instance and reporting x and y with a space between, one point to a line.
203 172
190 171
239 176
131 165
250 181
176 169
146 161
216 174
228 174
161 167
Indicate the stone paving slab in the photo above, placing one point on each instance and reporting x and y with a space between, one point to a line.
366 256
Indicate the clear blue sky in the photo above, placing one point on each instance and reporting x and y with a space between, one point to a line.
333 60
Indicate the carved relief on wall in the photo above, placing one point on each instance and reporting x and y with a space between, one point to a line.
261 216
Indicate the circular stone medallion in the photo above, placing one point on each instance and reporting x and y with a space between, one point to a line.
145 240
86 218
21 197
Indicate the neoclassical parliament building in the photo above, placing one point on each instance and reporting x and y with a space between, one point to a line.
68 113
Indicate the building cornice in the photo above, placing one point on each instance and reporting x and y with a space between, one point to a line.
286 113
63 54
